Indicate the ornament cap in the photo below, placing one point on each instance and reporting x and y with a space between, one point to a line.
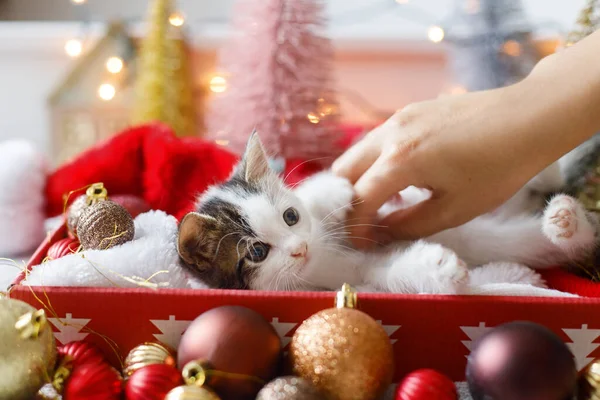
62 373
346 297
195 372
30 324
95 193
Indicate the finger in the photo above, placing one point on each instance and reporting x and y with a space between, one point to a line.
422 220
377 185
357 159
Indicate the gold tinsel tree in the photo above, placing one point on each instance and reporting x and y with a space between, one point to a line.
163 87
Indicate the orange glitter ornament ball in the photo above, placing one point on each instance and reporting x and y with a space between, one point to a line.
344 352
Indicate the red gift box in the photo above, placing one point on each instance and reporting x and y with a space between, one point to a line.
426 331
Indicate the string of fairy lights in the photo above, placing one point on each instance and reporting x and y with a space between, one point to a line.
74 47
115 64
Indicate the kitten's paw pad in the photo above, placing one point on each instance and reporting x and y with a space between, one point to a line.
566 224
451 268
442 264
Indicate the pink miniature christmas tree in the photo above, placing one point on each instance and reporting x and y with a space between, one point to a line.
278 68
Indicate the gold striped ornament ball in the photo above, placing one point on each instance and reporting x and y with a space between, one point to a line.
191 392
104 225
147 354
589 382
343 352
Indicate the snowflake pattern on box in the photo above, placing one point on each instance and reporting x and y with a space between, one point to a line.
582 344
390 330
69 328
171 330
474 333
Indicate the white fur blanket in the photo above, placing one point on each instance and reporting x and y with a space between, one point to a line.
151 260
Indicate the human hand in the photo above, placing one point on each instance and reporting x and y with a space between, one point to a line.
473 152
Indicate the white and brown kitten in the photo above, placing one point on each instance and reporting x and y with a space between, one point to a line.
253 232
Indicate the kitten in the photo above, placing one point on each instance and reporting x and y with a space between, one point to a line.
253 232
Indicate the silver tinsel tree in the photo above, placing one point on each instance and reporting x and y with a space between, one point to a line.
490 43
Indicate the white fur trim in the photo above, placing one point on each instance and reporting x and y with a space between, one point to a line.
153 249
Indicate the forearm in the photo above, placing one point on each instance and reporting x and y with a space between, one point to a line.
562 99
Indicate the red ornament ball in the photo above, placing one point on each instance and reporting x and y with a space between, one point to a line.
93 381
62 248
134 204
521 361
152 382
236 340
81 353
426 384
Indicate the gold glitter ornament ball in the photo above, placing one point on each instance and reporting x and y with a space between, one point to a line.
343 352
27 350
104 225
289 388
191 392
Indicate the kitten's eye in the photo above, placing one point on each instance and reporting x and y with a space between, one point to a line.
258 252
291 216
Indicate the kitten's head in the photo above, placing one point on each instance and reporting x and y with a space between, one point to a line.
249 232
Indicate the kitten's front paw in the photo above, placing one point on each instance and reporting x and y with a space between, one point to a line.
446 267
327 196
432 268
566 224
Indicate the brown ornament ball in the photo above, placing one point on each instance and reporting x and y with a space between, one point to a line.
104 225
233 340
27 350
521 361
344 353
191 393
289 388
74 212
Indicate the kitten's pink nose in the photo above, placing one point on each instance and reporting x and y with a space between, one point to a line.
300 251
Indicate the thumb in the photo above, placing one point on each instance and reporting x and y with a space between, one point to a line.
419 221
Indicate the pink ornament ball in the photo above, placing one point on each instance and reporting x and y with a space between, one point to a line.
426 384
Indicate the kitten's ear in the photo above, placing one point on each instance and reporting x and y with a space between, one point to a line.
255 163
193 233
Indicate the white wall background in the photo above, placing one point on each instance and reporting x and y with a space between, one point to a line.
32 58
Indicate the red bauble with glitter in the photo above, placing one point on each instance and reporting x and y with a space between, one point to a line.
152 382
62 248
93 381
134 204
80 353
426 384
